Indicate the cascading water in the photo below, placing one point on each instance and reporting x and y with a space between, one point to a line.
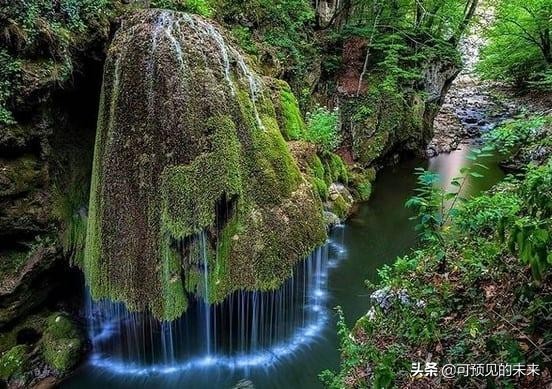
249 329
195 203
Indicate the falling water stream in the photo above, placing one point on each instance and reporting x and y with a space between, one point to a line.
279 339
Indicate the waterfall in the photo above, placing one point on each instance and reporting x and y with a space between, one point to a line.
179 136
206 306
248 329
227 54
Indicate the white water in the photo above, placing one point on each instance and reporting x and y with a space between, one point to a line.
249 329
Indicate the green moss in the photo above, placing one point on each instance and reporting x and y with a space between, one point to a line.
364 191
62 343
361 183
316 167
20 175
162 180
13 362
293 125
340 207
383 118
321 187
335 168
190 192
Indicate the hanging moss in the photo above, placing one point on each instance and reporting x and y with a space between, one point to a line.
293 125
187 147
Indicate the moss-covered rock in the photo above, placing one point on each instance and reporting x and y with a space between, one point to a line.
287 109
189 162
62 343
26 279
13 362
340 201
361 182
382 121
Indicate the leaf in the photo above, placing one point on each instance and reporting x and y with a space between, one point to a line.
450 195
476 175
481 166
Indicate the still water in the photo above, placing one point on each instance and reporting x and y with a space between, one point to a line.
378 232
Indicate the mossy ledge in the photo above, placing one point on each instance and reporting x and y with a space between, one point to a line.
188 146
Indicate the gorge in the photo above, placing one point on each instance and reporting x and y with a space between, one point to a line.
189 188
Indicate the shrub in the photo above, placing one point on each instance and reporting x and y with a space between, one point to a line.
323 128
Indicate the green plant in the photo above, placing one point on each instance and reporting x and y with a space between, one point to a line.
429 205
323 128
514 132
200 7
531 234
436 207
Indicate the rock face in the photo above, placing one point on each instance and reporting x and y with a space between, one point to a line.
190 163
379 123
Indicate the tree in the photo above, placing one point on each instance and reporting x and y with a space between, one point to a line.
520 41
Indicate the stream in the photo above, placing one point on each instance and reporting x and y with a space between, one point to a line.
378 232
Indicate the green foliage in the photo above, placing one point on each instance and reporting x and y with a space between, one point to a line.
531 232
520 47
429 204
434 206
323 128
243 35
13 362
515 132
9 73
40 37
480 303
484 213
200 7
280 29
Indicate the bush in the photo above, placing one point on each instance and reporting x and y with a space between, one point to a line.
488 213
514 132
323 128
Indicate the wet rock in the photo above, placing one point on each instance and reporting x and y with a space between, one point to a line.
340 201
331 219
25 284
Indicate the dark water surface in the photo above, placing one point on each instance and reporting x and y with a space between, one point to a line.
378 232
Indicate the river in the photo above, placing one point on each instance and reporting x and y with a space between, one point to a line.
378 232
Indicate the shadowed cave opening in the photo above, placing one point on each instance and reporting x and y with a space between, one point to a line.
28 336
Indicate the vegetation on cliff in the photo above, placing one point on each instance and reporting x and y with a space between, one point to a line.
476 291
